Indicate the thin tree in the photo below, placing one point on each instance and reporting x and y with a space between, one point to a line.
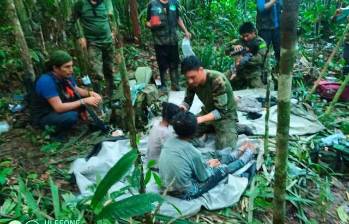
288 54
134 20
120 60
20 39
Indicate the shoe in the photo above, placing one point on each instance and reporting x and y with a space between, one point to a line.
244 129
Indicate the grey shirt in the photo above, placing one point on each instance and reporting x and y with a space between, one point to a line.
181 163
157 136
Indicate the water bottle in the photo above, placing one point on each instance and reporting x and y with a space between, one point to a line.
4 127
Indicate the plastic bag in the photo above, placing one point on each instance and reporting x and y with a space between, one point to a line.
186 48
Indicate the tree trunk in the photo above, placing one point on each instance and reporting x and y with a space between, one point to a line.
135 22
20 39
23 18
288 54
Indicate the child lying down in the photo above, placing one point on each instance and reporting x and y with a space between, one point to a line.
182 167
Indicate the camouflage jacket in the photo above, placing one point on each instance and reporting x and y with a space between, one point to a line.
216 94
253 68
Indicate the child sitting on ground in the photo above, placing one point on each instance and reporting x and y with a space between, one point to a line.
182 167
161 131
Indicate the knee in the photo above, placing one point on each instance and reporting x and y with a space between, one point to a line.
70 119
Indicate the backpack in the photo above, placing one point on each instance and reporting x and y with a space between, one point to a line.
328 89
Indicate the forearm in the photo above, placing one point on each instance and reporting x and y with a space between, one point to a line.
206 118
83 92
69 106
181 25
269 4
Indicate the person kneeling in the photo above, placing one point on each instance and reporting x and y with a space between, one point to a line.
182 167
54 101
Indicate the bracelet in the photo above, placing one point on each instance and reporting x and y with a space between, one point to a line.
88 93
82 102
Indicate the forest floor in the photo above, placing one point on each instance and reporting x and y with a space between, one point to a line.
30 154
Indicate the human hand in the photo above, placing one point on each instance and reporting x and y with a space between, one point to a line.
92 101
96 95
238 47
233 75
82 42
213 163
338 12
187 35
247 145
148 24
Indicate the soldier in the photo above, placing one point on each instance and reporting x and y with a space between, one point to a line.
163 18
249 66
96 37
216 93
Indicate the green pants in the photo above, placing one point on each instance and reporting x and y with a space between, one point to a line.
242 82
225 130
101 65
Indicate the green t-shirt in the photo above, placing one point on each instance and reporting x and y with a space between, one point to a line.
94 21
181 163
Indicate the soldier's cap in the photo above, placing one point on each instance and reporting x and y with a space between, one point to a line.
185 124
169 110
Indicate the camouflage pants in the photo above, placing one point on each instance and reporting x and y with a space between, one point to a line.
101 62
243 82
225 130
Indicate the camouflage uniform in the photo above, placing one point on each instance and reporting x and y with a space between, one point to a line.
218 97
250 75
96 28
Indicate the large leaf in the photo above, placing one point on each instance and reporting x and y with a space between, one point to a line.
55 199
29 199
114 175
133 206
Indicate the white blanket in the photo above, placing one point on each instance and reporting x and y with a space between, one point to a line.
227 193
302 121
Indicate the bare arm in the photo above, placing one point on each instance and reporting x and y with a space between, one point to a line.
206 118
61 107
269 4
183 28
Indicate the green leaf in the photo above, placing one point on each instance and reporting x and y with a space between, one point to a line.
55 199
133 206
114 175
343 216
157 179
151 163
7 207
30 199
4 173
147 177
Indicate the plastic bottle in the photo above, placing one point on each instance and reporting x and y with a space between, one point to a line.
186 48
4 127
